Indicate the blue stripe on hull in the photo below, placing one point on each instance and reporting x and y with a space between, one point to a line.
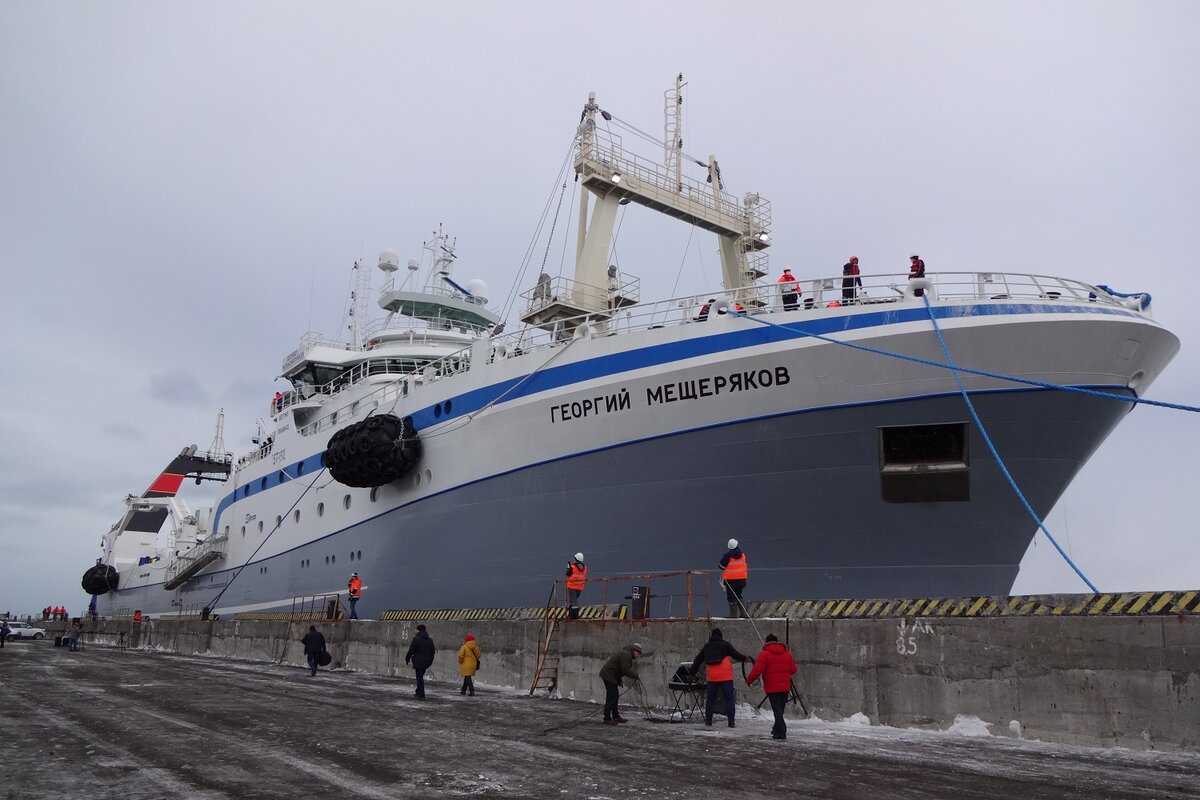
800 490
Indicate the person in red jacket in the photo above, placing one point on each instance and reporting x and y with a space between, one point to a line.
776 666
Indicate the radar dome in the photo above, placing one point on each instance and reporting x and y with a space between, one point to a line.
389 261
479 289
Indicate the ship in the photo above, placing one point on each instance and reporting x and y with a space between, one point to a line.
881 436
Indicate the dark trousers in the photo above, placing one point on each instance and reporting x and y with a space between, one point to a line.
611 694
848 289
312 661
420 680
353 603
733 593
778 704
573 603
726 689
791 302
468 686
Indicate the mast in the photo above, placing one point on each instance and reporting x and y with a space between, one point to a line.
358 305
673 133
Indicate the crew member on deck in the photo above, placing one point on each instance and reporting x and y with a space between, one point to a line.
277 403
734 577
576 580
916 269
789 290
354 586
851 283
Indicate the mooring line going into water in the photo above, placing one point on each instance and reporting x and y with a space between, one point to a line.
992 447
955 370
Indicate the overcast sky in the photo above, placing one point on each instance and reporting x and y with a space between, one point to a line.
184 187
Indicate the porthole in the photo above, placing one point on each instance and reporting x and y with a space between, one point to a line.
263 483
448 406
333 559
417 478
278 521
374 494
320 509
326 560
354 408
243 531
299 469
227 530
282 476
322 461
437 410
260 526
428 476
296 516
346 502
360 555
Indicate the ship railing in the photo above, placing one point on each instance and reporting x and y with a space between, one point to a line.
685 593
622 291
605 150
308 342
421 329
212 546
821 295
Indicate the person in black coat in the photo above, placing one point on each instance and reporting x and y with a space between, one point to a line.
314 645
420 655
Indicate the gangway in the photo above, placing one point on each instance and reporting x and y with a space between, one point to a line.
188 564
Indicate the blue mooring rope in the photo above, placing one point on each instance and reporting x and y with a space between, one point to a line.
955 370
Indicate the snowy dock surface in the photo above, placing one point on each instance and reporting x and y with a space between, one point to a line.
106 723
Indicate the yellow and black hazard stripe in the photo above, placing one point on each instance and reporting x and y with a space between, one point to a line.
618 612
1111 604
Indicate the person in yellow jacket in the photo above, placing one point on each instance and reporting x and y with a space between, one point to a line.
469 658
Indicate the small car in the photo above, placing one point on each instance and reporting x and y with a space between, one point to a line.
23 630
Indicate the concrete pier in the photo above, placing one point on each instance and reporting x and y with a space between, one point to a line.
1099 681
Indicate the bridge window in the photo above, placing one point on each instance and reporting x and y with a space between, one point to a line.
924 463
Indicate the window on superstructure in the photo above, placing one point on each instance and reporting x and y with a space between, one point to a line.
374 494
924 463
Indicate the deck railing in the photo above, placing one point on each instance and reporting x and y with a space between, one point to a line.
822 296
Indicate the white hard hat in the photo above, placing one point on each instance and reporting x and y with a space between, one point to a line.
732 543
579 557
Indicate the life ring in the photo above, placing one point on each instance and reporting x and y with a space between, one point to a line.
374 452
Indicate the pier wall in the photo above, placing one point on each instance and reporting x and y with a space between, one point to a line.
1109 681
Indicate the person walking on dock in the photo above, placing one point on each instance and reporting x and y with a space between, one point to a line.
314 645
73 636
734 574
718 656
354 586
620 665
4 631
776 666
576 580
469 658
420 655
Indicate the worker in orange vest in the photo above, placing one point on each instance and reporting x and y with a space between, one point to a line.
734 575
355 588
137 616
718 656
576 580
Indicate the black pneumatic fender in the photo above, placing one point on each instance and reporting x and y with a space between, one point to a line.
374 452
100 579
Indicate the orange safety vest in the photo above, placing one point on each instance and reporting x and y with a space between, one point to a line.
736 570
722 671
355 587
789 284
137 617
577 578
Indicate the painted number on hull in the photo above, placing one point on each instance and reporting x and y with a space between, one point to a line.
279 456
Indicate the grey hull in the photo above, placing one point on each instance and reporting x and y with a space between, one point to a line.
801 491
